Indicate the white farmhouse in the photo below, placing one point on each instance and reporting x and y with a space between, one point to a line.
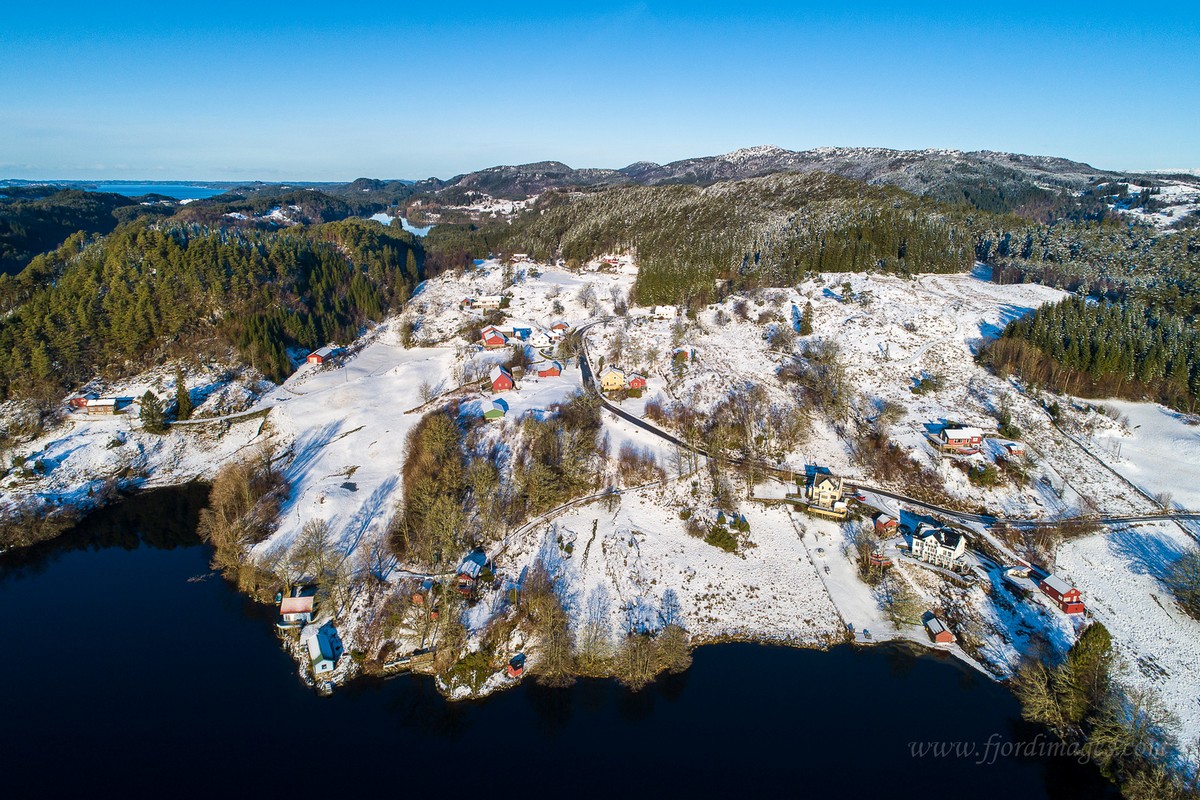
938 546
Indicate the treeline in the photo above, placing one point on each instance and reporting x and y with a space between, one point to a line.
1102 349
31 223
309 206
1113 261
115 304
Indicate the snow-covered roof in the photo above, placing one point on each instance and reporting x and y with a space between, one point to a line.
324 352
103 401
935 625
945 537
963 433
1058 584
612 371
497 371
296 605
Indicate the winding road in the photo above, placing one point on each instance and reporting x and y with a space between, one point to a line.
963 517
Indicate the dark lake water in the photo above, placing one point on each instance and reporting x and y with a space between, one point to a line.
126 677
179 191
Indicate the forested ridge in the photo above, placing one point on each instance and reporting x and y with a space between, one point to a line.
118 303
759 232
35 220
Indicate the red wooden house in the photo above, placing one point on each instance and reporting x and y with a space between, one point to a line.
551 370
637 381
492 337
964 440
885 525
938 630
502 379
1062 593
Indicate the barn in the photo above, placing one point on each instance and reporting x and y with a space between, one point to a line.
551 370
502 379
1064 595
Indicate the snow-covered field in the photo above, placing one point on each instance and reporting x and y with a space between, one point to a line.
636 562
1156 448
892 332
1121 573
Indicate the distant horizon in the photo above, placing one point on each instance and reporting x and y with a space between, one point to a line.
142 179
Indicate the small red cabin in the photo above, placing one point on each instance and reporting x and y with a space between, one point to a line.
1066 596
938 630
551 370
885 525
637 381
322 355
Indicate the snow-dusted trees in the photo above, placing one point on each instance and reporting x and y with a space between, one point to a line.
429 528
243 504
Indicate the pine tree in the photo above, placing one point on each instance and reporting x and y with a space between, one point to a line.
806 320
153 420
183 398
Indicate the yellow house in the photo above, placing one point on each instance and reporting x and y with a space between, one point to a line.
612 379
825 496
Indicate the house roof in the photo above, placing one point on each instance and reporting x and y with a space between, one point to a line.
944 536
473 564
1057 584
962 433
296 605
611 371
318 642
884 519
497 371
103 401
324 352
635 376
934 625
494 408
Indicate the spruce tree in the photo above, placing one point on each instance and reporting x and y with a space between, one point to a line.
183 399
806 320
151 415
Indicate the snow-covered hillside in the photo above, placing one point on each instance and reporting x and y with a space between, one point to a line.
627 559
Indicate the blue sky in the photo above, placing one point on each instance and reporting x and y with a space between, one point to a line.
334 91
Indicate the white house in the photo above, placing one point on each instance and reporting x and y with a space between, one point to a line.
539 338
491 301
295 611
323 646
938 546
